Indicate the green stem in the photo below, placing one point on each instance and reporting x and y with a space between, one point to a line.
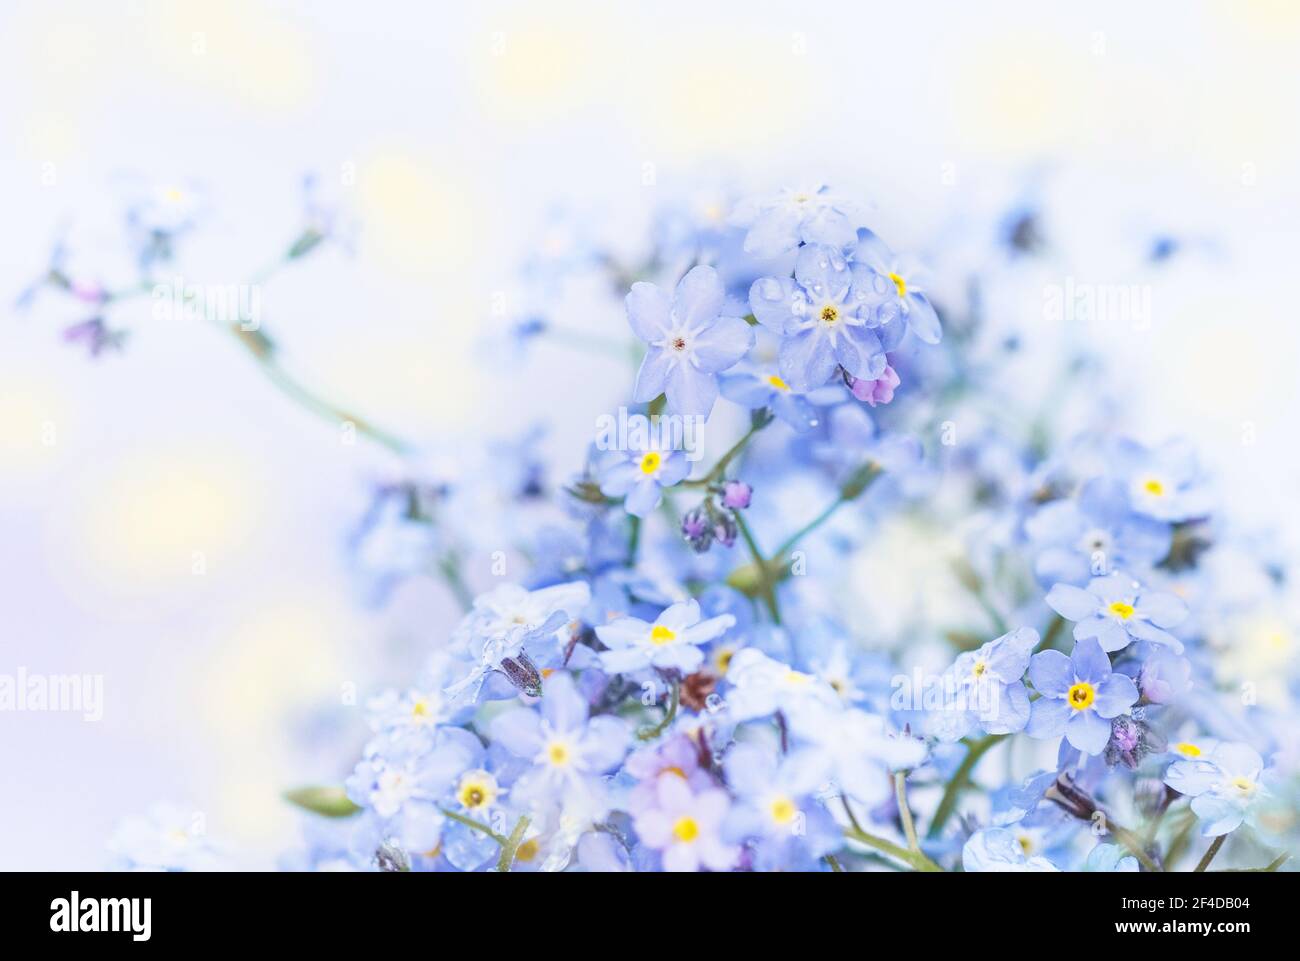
720 468
1181 838
674 699
915 859
861 479
761 566
1272 866
309 400
511 846
853 818
449 567
905 812
1209 854
633 539
1133 843
960 780
1052 632
475 825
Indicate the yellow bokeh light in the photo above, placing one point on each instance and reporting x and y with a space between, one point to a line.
153 520
418 217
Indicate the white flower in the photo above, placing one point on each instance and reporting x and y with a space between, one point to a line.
670 643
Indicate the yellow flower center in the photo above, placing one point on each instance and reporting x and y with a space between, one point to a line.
783 810
1244 784
558 753
477 789
723 661
1121 610
778 383
1026 843
830 314
651 461
979 668
1081 695
797 677
660 635
899 284
686 830
1154 487
528 850
1187 749
420 708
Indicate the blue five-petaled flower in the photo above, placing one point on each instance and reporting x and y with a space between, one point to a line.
1116 610
689 341
1080 695
828 315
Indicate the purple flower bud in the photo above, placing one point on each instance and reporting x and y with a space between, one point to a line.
1130 741
724 530
736 495
697 529
879 391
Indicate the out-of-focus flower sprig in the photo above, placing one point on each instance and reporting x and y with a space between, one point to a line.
158 218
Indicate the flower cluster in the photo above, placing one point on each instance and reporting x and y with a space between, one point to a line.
798 653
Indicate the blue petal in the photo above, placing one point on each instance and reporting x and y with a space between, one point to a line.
858 350
1193 777
1009 655
605 742
644 497
691 391
1161 609
1147 632
1089 661
1011 711
723 344
674 469
1072 603
1051 673
795 411
519 732
620 478
562 706
773 233
828 226
1105 630
772 301
652 376
648 311
699 296
1088 732
1218 816
747 390
1048 717
1115 696
806 360
922 320
823 271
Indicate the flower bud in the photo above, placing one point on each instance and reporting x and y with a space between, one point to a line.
697 529
736 494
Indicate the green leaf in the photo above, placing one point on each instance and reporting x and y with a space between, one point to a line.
332 802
